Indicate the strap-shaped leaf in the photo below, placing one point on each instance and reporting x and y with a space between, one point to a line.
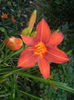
60 85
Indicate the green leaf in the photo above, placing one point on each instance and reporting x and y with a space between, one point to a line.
11 55
48 81
3 77
30 95
4 30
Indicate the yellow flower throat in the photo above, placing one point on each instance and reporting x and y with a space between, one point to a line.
40 49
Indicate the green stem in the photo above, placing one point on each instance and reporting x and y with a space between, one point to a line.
48 81
30 95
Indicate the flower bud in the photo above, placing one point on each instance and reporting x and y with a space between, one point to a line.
29 28
14 43
33 34
13 20
25 31
32 20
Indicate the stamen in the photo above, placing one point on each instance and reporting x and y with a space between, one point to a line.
40 49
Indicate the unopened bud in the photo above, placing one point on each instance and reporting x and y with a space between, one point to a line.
32 20
14 43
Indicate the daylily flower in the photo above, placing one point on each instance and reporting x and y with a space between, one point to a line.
4 16
43 49
13 43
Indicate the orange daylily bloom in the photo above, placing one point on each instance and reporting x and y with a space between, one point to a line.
13 20
4 16
43 49
13 43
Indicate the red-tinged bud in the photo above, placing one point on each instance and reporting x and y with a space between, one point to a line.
14 43
13 20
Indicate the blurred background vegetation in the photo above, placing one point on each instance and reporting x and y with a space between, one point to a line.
59 15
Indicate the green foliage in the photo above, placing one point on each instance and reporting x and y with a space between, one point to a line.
23 84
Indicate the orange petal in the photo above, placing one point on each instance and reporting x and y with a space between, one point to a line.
44 67
28 40
56 38
27 58
43 31
56 55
